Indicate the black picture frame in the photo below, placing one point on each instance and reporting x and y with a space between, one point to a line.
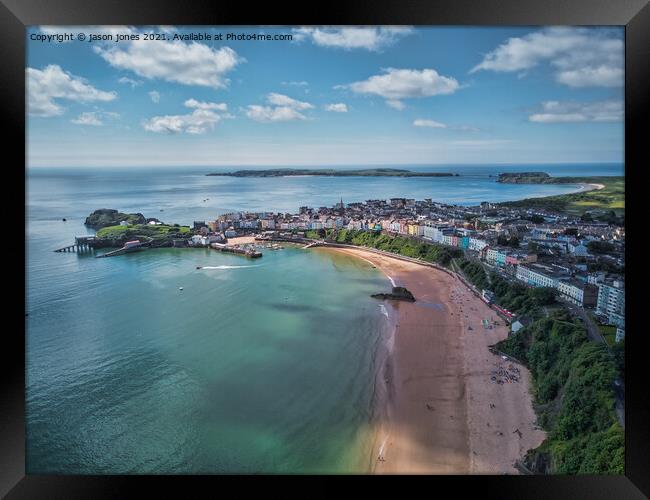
16 15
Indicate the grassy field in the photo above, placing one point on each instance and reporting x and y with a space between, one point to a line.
152 231
610 198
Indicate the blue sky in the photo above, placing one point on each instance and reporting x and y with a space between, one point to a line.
331 96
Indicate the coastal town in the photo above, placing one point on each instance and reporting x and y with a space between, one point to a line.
583 260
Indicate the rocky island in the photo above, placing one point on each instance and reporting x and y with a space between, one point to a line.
331 172
116 228
398 293
105 217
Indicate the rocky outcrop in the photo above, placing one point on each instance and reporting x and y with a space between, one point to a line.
398 293
105 217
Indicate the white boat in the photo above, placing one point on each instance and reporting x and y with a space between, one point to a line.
180 287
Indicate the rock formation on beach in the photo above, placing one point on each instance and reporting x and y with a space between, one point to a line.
398 293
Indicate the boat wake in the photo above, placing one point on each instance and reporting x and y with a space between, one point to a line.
227 267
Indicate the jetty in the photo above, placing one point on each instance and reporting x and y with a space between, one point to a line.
81 244
129 246
248 252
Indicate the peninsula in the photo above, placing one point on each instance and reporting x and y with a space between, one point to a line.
331 172
602 196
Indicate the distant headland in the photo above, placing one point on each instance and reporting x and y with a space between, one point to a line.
526 178
544 178
331 172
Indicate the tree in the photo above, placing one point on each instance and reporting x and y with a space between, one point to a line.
600 247
543 296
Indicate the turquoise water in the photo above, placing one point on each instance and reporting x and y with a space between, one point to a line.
255 366
248 369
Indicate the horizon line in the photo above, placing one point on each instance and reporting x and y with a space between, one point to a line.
311 166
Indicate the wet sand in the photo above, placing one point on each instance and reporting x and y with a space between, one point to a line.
441 413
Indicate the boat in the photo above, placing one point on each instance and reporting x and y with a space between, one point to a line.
180 288
199 267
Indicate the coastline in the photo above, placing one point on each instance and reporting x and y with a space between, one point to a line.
590 187
438 412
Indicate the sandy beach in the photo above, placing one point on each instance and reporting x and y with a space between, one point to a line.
591 187
442 413
241 240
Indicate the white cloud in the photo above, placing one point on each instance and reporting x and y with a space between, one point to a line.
185 63
337 107
428 123
605 76
267 114
396 104
197 122
368 38
283 108
396 84
283 100
214 106
155 96
44 86
88 118
567 112
203 118
94 118
130 81
581 57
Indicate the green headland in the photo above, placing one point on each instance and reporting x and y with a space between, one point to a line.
331 172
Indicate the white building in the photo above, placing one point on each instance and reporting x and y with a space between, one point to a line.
539 275
611 301
577 292
477 244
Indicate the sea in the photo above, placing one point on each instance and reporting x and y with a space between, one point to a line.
255 366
